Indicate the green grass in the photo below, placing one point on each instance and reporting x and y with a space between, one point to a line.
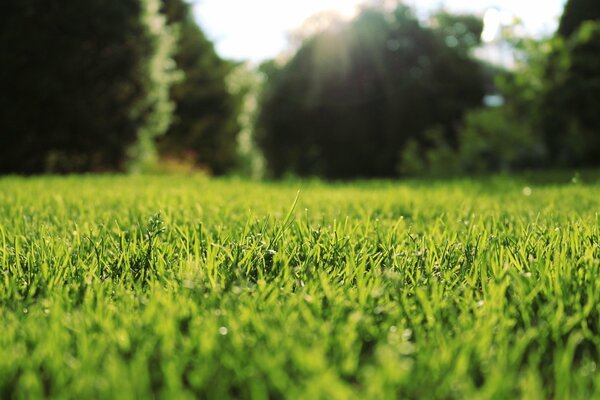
134 287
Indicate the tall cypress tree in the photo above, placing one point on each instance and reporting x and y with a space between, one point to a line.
205 119
84 83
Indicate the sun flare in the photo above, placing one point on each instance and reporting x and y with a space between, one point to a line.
257 30
272 20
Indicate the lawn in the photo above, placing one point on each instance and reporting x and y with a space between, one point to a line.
175 287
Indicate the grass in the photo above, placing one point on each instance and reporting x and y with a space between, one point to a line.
135 287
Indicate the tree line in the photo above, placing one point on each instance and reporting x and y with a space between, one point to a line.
389 95
111 86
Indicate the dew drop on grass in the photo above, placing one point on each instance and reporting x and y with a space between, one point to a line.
223 331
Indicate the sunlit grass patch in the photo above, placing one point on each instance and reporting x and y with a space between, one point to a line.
185 286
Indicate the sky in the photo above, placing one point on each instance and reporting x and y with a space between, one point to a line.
256 30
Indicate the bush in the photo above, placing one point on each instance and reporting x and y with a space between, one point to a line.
435 159
495 139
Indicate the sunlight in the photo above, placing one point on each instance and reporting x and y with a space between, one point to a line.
493 21
258 30
491 25
264 23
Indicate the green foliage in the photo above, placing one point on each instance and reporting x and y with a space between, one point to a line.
84 84
205 124
435 159
461 31
246 82
353 95
490 140
550 117
523 87
183 287
161 76
411 160
498 139
555 88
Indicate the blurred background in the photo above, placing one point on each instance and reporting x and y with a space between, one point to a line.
336 89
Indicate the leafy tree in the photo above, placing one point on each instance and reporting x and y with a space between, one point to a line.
569 106
551 102
458 30
509 137
205 120
565 111
352 96
84 83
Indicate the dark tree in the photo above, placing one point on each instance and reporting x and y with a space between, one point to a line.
570 104
575 13
350 99
205 120
83 84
